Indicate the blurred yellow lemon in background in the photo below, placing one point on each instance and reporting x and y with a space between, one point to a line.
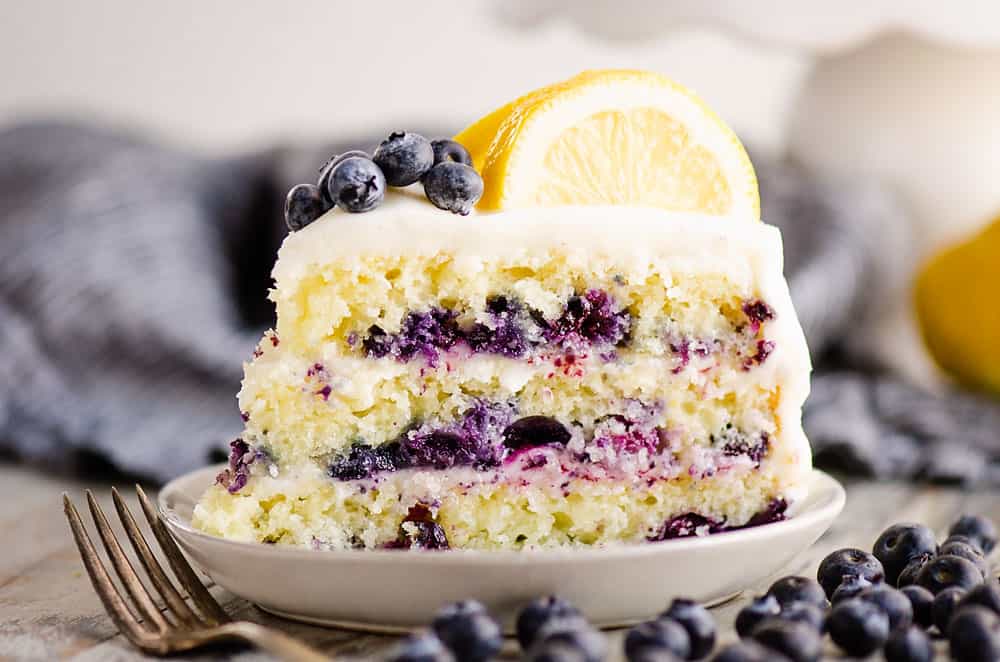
958 306
612 137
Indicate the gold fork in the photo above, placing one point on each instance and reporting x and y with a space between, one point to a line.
177 627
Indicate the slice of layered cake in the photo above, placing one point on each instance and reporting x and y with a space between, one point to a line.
604 351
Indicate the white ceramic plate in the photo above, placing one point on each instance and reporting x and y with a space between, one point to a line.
394 590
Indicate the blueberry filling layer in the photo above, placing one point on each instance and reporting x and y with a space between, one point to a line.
474 440
425 334
693 524
504 334
510 329
490 434
589 319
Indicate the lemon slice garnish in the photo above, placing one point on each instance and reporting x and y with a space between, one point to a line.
612 137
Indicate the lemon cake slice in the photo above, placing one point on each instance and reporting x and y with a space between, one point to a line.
571 364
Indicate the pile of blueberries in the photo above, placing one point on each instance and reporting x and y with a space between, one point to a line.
906 592
894 599
356 182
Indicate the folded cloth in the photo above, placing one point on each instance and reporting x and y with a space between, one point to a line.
133 280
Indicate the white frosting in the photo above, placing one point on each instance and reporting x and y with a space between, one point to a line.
406 223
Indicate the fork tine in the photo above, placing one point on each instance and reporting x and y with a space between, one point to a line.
153 568
208 606
106 589
124 567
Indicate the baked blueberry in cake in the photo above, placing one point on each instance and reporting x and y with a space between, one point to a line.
571 330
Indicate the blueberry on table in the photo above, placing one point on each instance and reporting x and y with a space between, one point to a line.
698 622
977 528
947 571
798 589
974 635
890 600
404 158
945 604
796 641
324 172
909 645
848 562
851 587
986 595
756 611
857 627
356 185
555 651
468 631
420 647
748 650
912 569
804 612
966 550
449 150
573 632
537 613
958 537
900 544
922 603
455 187
655 655
303 205
461 608
664 633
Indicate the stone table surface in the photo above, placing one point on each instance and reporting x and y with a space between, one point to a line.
49 611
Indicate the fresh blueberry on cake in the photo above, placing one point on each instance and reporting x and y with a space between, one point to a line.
404 158
572 331
449 150
303 205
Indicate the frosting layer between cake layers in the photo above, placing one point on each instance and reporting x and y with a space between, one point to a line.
530 378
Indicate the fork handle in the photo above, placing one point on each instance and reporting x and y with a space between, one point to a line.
270 640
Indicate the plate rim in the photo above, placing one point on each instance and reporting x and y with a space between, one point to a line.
828 510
